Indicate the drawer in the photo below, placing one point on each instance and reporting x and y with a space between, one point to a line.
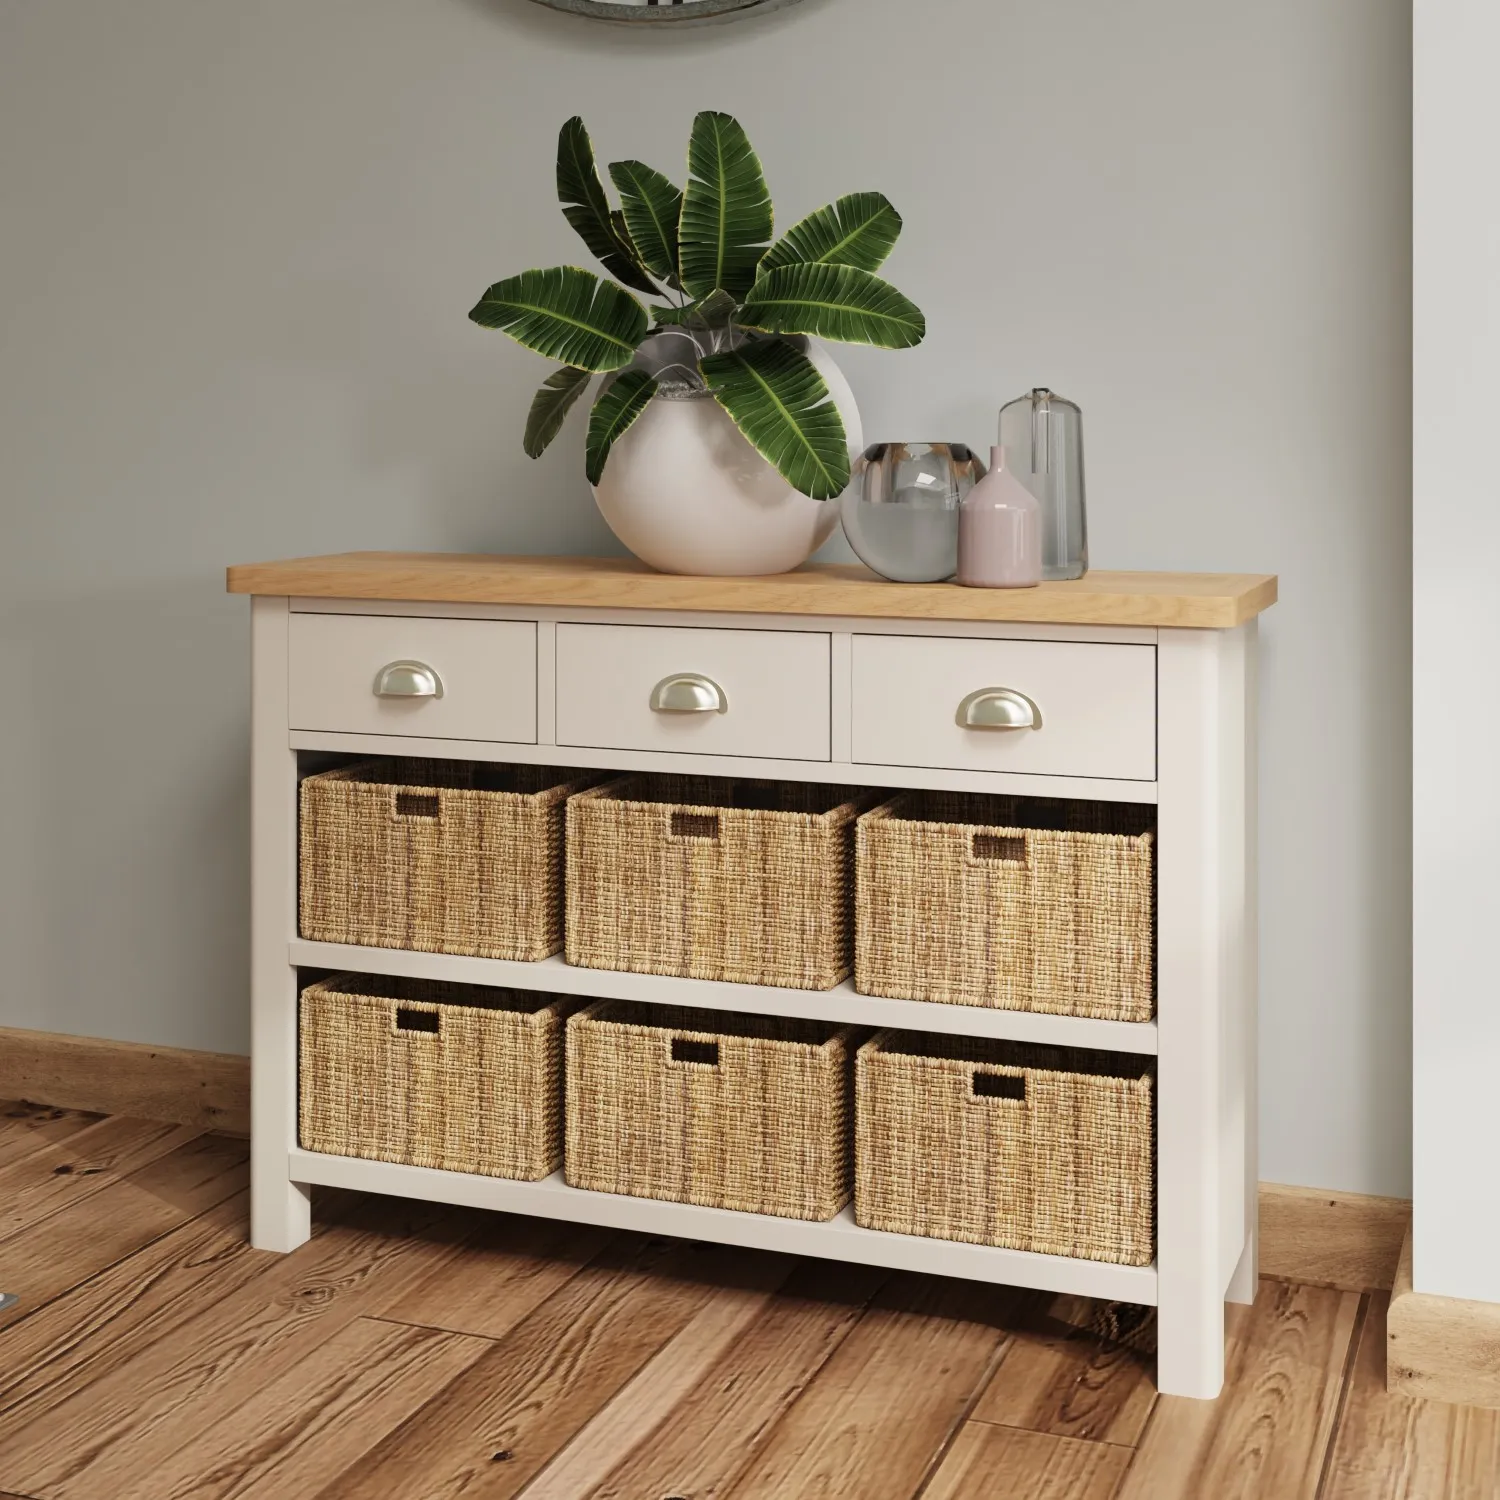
762 693
1097 705
485 671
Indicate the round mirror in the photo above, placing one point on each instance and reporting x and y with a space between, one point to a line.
649 11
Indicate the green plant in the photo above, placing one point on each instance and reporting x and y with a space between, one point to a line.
747 300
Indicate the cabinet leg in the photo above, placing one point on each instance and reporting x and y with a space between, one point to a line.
1205 1036
1245 1282
1190 1347
280 1211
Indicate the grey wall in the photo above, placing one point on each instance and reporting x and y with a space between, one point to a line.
240 242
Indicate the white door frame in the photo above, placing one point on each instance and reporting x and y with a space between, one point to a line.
1456 655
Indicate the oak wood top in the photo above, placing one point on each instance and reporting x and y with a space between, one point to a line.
1204 600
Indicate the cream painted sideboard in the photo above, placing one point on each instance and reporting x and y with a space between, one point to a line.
1138 688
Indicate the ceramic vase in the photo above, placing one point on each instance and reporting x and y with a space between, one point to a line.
1000 531
686 492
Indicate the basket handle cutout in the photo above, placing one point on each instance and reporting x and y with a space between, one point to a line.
686 1050
1010 848
410 1019
998 1086
416 804
695 825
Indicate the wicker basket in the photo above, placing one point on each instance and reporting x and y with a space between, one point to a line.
433 1075
436 855
1016 903
708 878
746 1112
1002 1143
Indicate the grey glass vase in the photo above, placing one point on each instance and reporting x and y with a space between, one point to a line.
900 511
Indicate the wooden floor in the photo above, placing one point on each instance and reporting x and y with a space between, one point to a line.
418 1352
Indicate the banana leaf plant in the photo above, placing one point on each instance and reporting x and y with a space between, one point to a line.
748 300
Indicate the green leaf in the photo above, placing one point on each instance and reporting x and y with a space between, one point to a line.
652 206
628 250
834 302
587 209
779 401
550 405
713 311
858 230
726 211
614 411
567 314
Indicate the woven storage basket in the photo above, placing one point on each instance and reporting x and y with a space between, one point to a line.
436 855
708 878
1001 1143
434 1075
746 1112
1017 903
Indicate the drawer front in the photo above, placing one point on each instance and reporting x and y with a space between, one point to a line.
347 675
774 686
1097 705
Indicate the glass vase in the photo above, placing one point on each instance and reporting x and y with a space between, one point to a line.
1043 434
900 511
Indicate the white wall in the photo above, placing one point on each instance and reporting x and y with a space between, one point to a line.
1456 536
240 243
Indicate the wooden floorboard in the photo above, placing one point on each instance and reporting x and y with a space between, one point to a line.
78 1242
1058 1377
25 1127
986 1460
137 1301
508 1268
709 1441
664 1384
1400 1448
422 1352
123 1418
891 1397
1266 1436
494 1429
296 1434
67 1172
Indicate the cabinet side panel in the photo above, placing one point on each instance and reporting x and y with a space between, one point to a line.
1243 1060
280 1211
1192 1110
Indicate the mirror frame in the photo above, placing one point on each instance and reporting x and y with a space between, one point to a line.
651 15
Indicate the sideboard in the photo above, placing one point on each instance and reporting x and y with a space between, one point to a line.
1132 687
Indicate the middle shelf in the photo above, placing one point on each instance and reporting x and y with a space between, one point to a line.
841 1004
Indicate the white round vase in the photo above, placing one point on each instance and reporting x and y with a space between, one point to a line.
686 492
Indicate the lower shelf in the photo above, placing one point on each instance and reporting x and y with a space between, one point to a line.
839 1239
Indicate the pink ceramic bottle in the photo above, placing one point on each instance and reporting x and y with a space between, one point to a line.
1000 531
